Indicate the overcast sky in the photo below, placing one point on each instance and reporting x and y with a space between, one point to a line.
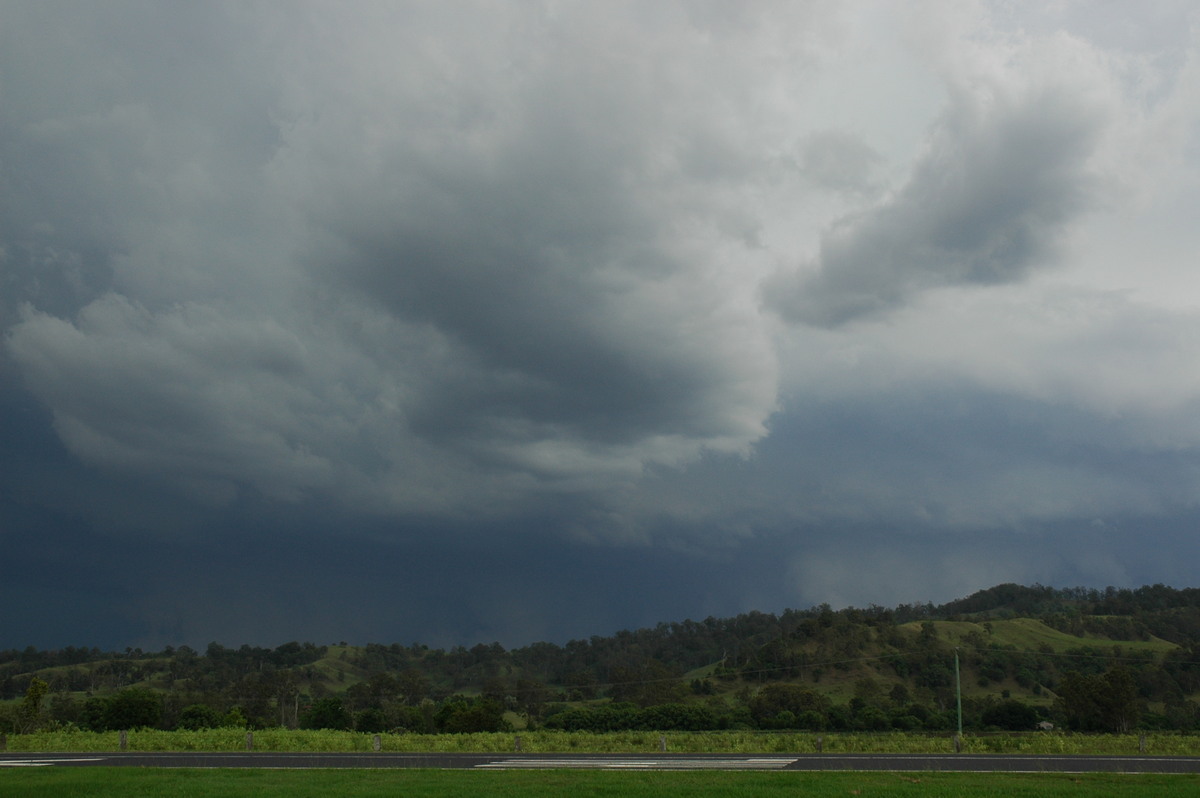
460 322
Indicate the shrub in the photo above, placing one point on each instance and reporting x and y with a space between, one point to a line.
326 713
129 709
198 716
1011 715
371 721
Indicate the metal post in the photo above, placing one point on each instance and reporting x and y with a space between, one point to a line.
958 693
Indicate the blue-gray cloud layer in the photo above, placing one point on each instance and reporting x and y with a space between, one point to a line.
507 322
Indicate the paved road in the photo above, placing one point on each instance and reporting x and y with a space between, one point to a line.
887 762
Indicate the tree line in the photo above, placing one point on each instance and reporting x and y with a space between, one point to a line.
851 669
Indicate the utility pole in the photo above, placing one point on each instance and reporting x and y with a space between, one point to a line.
958 693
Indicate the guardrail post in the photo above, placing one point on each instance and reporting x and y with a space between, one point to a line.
662 743
517 743
124 739
820 743
1142 743
249 741
376 742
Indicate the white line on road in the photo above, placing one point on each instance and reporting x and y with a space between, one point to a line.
41 763
643 764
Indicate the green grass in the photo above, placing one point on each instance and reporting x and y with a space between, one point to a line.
545 741
1028 634
102 782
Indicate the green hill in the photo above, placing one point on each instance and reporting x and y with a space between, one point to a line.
867 668
1030 634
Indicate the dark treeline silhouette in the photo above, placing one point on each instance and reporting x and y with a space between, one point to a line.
1115 671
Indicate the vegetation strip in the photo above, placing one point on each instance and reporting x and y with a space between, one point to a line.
548 741
135 783
1116 661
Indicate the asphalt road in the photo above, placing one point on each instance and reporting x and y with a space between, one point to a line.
887 762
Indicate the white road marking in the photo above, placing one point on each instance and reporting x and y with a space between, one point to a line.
41 763
756 763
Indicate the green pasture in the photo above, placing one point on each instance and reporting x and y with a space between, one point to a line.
101 782
1030 635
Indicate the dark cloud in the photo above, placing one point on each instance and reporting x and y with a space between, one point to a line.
926 459
458 322
1004 172
389 294
265 576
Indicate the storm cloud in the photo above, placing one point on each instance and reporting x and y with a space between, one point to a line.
464 284
1004 172
492 317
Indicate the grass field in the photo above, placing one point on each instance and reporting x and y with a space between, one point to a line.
545 741
134 783
1029 634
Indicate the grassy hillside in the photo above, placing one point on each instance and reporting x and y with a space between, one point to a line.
1030 634
1012 643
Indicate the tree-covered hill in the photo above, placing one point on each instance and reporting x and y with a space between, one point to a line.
1087 659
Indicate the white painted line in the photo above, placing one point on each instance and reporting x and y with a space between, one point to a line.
41 763
643 764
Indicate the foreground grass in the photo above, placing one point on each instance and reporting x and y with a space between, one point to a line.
103 782
609 743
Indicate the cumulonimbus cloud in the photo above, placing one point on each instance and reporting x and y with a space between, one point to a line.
442 280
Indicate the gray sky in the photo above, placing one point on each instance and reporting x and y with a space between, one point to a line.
460 322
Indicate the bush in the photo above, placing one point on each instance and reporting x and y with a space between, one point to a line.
483 715
676 717
1011 715
326 713
135 709
129 709
610 718
371 721
198 716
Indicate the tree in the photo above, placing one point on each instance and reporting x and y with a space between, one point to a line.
1095 702
133 708
531 696
371 721
198 716
234 718
286 689
30 711
871 718
64 709
460 716
92 716
676 717
1119 705
772 701
413 686
326 713
1011 715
